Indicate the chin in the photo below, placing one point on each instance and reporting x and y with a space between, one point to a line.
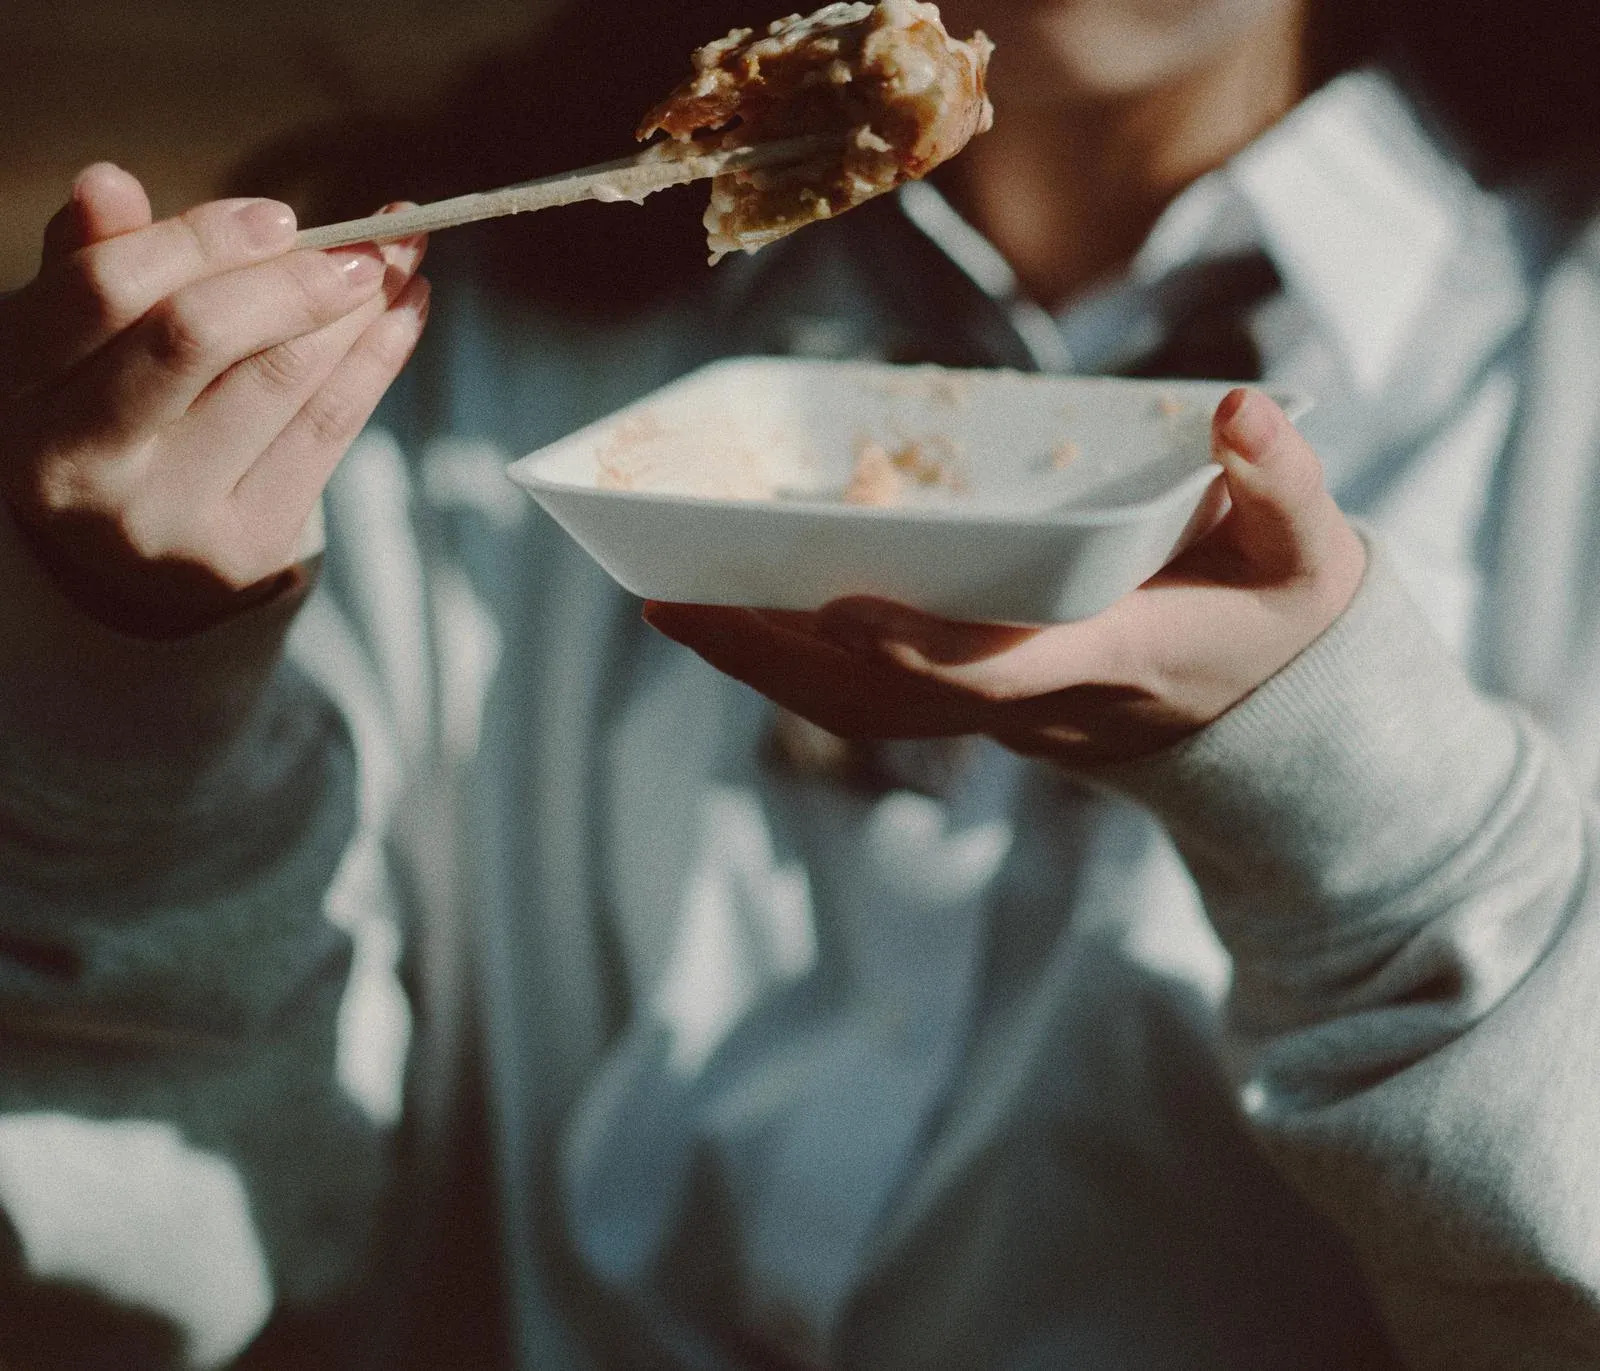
1051 51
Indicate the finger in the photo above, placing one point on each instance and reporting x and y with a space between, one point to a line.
865 620
1092 723
838 690
256 399
150 376
79 302
276 494
1282 515
997 663
106 202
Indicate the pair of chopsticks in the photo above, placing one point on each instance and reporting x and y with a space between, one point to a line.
628 178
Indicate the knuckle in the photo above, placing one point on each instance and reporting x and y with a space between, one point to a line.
241 552
196 238
235 568
144 530
104 289
154 531
284 370
333 418
71 479
185 338
60 486
388 347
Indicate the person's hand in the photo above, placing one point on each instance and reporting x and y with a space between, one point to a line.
175 395
1158 665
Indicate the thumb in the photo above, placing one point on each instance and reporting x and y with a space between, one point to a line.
106 202
1282 518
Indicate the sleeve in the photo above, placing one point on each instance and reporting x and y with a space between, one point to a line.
180 1166
1404 873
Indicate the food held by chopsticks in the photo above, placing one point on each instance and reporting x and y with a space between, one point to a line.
896 90
814 116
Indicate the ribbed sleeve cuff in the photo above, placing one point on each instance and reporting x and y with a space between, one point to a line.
89 711
1356 769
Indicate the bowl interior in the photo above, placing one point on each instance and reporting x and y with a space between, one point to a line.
963 443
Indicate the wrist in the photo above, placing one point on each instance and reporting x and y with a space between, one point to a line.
1316 780
92 710
148 598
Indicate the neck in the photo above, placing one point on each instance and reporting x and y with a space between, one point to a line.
1069 192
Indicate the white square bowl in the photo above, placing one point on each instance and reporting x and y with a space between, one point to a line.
1043 498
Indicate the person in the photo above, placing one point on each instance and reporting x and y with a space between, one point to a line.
401 933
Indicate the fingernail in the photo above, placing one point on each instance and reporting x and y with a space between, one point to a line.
93 171
403 254
266 223
1245 423
1225 456
1231 403
361 266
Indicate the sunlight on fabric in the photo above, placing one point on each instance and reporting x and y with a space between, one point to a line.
747 926
907 839
374 1035
469 647
134 1212
458 473
374 1015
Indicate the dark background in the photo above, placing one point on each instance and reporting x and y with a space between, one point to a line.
178 91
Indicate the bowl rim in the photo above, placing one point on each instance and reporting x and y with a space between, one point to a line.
1064 515
524 470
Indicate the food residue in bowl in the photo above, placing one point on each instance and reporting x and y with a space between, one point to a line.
875 479
952 391
646 453
884 476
